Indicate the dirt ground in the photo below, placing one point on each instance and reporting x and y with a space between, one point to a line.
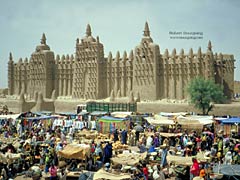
232 109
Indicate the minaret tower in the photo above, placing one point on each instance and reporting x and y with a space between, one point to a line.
10 75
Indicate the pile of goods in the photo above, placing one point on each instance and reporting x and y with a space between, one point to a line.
87 134
117 145
102 137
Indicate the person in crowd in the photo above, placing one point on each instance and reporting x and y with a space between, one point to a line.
124 136
156 140
149 141
131 138
53 172
115 135
142 147
236 158
202 172
194 170
145 171
164 155
107 152
228 158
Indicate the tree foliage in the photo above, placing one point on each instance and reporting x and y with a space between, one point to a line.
204 93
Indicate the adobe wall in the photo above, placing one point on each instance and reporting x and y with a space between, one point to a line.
236 87
219 109
155 107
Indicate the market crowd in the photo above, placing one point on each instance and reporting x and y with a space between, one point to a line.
38 147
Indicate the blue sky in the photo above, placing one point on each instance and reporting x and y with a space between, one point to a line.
119 24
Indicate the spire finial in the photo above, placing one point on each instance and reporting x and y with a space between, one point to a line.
146 30
10 56
43 40
209 46
131 55
88 30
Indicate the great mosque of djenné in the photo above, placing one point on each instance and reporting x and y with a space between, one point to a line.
144 72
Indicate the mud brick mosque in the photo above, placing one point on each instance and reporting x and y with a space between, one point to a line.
89 74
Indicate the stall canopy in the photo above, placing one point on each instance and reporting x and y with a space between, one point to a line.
121 114
131 159
101 174
10 116
167 114
232 120
203 120
98 113
68 114
75 151
108 124
159 120
41 118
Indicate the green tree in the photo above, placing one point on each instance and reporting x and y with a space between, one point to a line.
204 93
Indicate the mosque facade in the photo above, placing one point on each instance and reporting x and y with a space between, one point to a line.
144 71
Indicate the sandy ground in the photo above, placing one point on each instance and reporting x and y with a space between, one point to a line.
67 105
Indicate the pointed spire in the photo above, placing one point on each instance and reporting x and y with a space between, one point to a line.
181 53
72 57
166 54
199 55
26 60
97 39
57 57
88 30
77 41
10 57
118 56
220 56
124 56
174 52
20 60
131 55
146 30
67 57
191 53
63 58
209 46
43 40
110 57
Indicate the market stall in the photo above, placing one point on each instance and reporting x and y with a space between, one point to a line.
225 171
159 120
75 151
229 124
101 174
131 159
194 122
108 124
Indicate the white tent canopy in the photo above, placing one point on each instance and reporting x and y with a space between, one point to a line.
159 120
167 114
204 120
10 116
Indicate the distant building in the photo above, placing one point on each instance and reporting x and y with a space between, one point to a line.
91 75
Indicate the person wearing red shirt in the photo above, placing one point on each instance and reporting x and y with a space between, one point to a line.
194 170
53 172
145 171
